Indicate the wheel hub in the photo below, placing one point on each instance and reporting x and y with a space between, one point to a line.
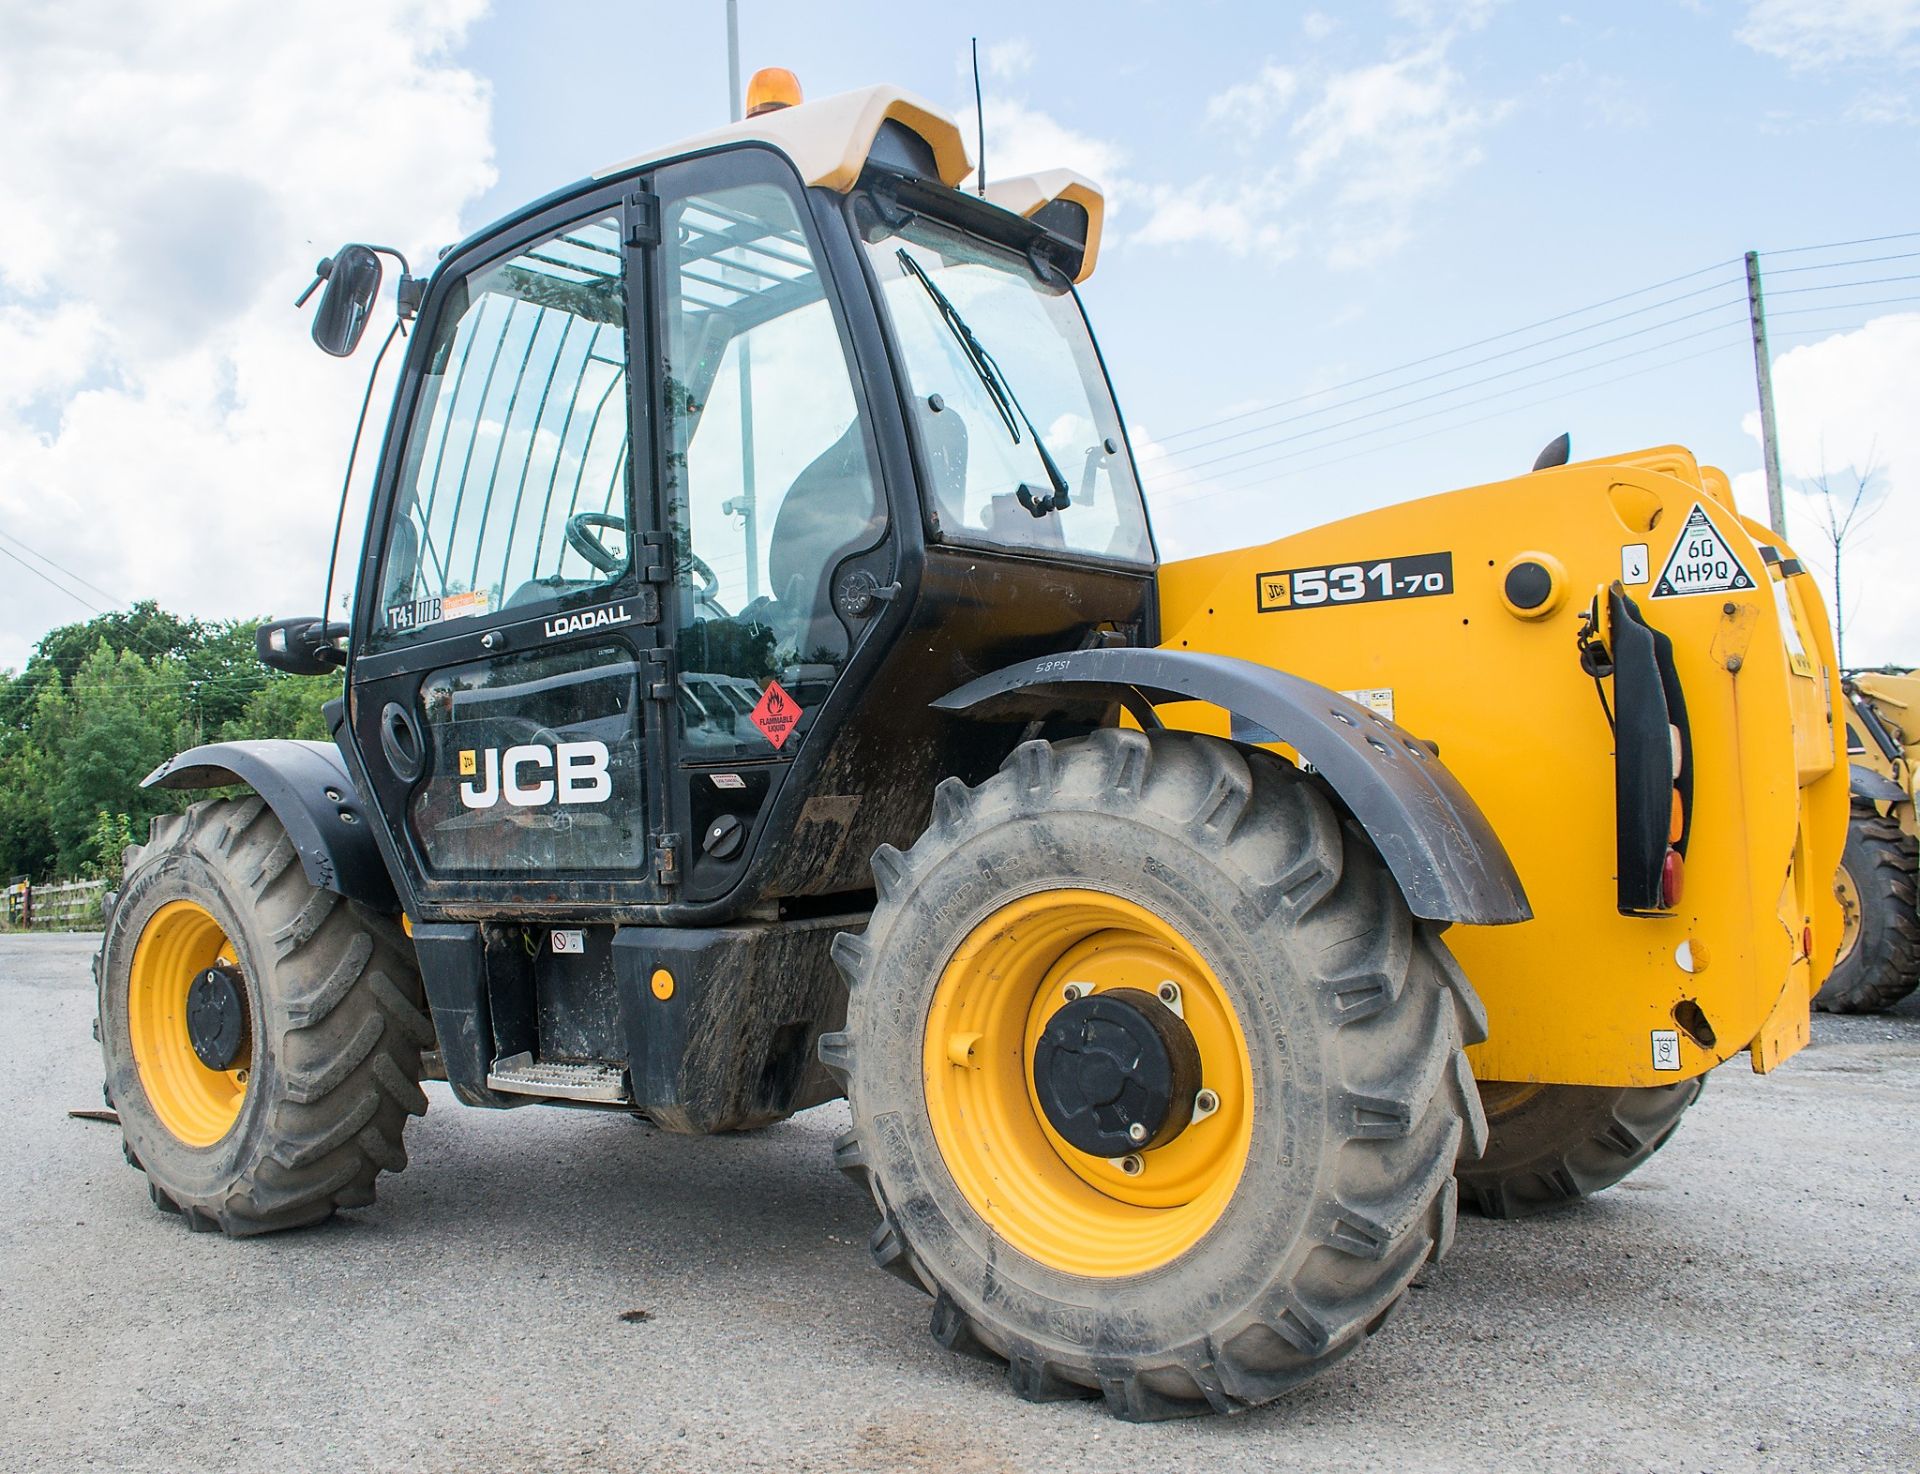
217 1018
1117 1072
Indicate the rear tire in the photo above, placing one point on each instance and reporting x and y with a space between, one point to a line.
1351 1018
314 1106
1880 949
1550 1145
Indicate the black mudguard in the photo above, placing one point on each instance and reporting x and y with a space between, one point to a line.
1863 782
1448 861
307 787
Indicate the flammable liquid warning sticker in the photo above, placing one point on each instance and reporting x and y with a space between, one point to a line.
776 714
1701 562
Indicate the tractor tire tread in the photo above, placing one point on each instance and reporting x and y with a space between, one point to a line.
348 1024
1402 1009
1884 966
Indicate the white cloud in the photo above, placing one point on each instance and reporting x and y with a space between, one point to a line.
165 428
1810 34
1252 107
1009 59
1844 403
1317 25
1364 148
1023 140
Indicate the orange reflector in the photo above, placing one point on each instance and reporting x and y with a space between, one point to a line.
1806 941
662 984
1677 825
1670 880
772 88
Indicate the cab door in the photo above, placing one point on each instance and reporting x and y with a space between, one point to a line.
505 660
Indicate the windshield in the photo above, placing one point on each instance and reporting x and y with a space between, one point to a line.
984 425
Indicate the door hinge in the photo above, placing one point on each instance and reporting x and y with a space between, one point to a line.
656 557
666 859
643 218
657 674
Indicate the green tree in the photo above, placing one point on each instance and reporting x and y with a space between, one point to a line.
122 719
284 706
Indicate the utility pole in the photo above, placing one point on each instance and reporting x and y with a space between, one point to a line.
747 504
733 61
1763 371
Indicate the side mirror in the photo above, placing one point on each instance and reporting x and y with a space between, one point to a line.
352 276
304 646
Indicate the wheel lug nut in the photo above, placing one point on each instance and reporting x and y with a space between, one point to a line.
1137 1131
1206 1103
1169 994
1131 1164
1075 991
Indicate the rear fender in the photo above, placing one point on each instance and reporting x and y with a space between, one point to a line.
307 787
1447 859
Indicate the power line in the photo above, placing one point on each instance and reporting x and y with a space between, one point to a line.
1484 399
85 582
1841 306
1475 363
45 578
1449 353
1442 430
1841 286
1490 378
1869 240
1837 265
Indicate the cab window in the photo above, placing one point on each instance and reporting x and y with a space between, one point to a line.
1001 362
769 485
513 491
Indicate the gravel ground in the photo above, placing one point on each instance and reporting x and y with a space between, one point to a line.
547 1290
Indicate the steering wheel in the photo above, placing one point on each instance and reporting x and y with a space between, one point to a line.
584 541
708 588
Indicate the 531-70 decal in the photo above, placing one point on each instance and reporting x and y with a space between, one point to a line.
1366 581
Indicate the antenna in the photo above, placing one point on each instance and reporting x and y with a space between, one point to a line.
980 117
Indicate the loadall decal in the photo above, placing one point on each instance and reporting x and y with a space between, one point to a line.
1701 562
531 775
1365 581
592 619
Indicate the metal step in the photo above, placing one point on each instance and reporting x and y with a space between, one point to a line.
522 1074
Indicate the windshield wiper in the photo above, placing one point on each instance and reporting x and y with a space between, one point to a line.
998 390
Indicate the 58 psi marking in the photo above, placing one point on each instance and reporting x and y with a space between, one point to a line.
1367 581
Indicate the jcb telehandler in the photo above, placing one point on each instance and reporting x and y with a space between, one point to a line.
761 686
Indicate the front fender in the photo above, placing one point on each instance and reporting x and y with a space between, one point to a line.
1449 863
1864 782
307 787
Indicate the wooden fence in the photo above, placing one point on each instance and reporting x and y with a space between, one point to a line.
70 905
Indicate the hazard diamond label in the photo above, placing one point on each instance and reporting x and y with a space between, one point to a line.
1701 562
776 714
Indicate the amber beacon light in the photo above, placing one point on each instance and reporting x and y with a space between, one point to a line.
770 89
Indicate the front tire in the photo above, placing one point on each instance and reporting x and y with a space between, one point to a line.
311 1105
1264 1240
1879 961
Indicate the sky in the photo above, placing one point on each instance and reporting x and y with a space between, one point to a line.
1354 254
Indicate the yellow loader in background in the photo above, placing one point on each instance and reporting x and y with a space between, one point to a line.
1879 961
748 702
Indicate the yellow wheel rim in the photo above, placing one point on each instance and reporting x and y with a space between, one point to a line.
1060 1206
1848 894
197 1104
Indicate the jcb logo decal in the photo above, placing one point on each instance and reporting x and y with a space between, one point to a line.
531 775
